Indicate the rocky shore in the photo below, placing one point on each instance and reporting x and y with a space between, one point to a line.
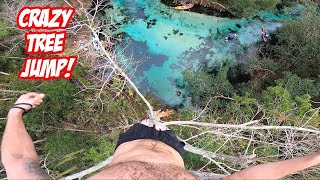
203 10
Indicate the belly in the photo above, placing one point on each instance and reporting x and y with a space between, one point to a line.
147 151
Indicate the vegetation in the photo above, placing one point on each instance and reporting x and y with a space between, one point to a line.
298 42
250 7
74 131
282 89
78 124
239 7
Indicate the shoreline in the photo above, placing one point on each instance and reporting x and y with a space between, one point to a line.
202 10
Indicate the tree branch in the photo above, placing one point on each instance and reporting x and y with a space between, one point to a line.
206 175
90 170
233 126
242 160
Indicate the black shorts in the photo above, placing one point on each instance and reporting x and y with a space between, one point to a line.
140 131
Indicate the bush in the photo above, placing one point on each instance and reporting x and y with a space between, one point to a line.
250 7
4 31
64 151
298 45
99 152
298 86
205 86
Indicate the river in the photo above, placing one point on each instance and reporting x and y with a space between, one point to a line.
160 42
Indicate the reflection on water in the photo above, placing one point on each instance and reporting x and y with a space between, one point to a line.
164 42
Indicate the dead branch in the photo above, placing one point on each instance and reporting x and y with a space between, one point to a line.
207 175
233 126
207 154
90 170
102 53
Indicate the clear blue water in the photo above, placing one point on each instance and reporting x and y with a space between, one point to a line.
161 42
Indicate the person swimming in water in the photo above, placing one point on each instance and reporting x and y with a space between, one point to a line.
231 37
265 35
178 93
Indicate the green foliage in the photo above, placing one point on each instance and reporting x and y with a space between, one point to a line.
183 132
280 105
262 71
303 104
10 65
277 101
186 113
193 161
59 96
4 31
64 150
289 100
250 7
57 105
243 107
266 151
298 86
99 152
298 45
205 86
68 152
306 112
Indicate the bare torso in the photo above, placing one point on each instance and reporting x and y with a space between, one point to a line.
149 151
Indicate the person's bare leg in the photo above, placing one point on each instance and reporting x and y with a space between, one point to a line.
277 170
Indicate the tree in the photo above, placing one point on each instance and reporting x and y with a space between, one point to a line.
298 86
250 7
291 110
206 86
4 31
298 45
237 7
278 102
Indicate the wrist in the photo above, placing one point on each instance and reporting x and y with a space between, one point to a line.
15 112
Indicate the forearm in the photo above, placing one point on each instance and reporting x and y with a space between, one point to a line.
277 170
16 143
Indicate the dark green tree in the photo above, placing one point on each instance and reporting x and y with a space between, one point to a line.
207 86
298 45
298 86
250 7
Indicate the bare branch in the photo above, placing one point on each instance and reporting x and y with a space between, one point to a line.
90 170
207 154
233 126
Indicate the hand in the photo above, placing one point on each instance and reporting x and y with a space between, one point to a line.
35 99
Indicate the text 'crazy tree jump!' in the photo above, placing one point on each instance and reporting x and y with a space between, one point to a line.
46 35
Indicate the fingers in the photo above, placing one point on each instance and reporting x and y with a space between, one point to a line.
31 95
37 100
39 96
33 98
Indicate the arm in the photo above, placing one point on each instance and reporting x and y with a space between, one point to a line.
277 170
18 153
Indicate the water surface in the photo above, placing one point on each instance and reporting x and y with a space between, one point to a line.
161 42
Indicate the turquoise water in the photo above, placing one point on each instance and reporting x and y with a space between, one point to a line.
161 42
